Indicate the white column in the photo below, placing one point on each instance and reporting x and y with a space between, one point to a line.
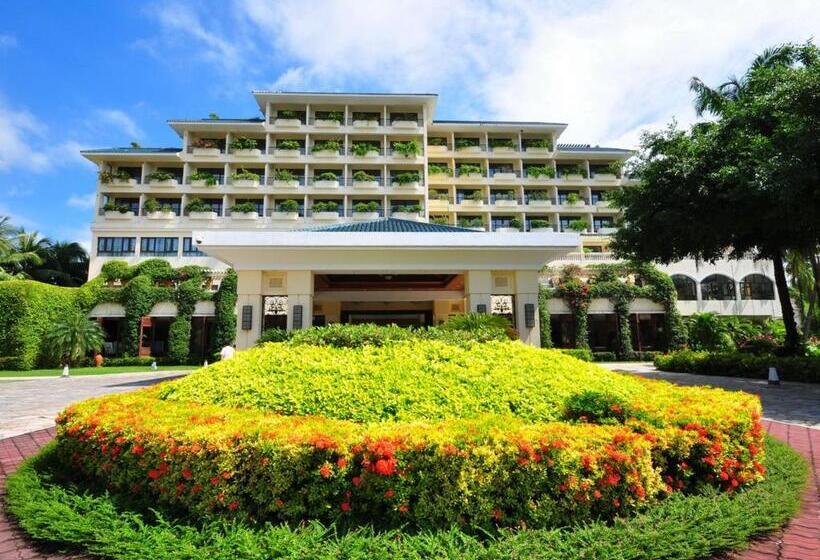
526 293
300 292
477 289
249 292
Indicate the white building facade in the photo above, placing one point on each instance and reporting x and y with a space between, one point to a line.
362 207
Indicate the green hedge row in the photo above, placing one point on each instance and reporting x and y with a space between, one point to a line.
27 308
738 364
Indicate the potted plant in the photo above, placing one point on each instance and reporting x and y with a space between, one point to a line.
326 210
573 172
502 145
467 145
118 177
404 120
475 198
540 172
578 225
505 198
244 211
198 209
285 178
439 170
539 198
470 171
513 227
365 149
117 211
366 120
161 179
364 180
440 220
439 198
245 178
156 211
326 148
609 172
406 180
286 210
538 145
406 212
326 180
471 223
243 146
287 148
328 119
205 147
202 179
540 225
408 149
436 144
573 199
366 210
287 118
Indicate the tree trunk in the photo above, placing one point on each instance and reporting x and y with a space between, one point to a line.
792 337
813 297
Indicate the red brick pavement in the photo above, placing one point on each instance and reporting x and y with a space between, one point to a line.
799 540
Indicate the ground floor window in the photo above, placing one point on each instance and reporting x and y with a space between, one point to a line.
159 246
756 286
648 331
503 305
275 314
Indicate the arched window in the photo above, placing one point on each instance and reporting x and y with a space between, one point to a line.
686 287
717 286
756 286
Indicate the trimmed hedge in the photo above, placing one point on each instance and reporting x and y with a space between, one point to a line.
357 336
27 309
417 433
740 364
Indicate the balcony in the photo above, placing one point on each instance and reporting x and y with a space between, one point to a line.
363 181
288 119
504 175
281 180
325 181
287 151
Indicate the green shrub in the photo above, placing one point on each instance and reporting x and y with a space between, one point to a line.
597 407
410 148
159 176
478 322
578 353
274 334
284 175
288 206
469 169
327 176
406 177
708 331
371 206
439 169
327 146
604 356
363 176
204 176
536 171
244 207
361 149
245 175
739 364
244 143
288 145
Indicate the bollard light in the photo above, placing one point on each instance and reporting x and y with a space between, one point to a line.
774 379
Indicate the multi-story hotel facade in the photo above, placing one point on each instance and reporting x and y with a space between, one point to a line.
362 207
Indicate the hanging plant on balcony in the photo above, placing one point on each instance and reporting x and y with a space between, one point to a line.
287 145
289 206
151 205
502 143
440 220
244 143
615 168
406 177
112 206
106 177
463 143
407 208
476 196
505 195
209 179
470 223
439 169
410 148
439 195
337 116
543 143
159 176
328 206
361 149
284 175
244 208
469 169
577 169
197 205
578 225
536 171
363 177
245 175
573 198
327 146
538 195
539 224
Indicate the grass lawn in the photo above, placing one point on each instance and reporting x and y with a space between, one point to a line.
90 371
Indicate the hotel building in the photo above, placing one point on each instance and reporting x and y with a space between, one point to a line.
364 208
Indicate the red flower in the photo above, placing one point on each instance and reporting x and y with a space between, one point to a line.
389 493
233 505
154 473
187 474
341 462
385 467
345 506
325 471
356 480
497 514
403 508
138 450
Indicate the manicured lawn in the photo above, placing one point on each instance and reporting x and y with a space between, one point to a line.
90 371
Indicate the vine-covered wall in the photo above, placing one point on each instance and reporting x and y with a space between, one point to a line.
620 284
27 308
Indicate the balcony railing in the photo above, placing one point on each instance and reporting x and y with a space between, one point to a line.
191 149
218 177
350 211
510 173
380 151
300 179
272 150
350 181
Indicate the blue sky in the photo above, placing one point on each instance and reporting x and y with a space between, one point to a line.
101 73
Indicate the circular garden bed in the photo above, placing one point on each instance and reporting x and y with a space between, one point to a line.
474 445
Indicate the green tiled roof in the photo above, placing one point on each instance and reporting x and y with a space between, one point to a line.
588 148
391 225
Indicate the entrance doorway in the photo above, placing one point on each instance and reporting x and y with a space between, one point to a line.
387 317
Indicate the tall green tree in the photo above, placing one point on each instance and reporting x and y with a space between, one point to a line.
745 183
29 255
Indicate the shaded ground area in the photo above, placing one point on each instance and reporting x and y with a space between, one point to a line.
31 404
796 403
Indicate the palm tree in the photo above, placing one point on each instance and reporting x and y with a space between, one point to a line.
22 251
72 337
64 264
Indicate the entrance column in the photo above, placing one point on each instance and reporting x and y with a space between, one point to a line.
477 290
526 303
300 299
248 294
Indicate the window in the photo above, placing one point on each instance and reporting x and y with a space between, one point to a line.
258 203
597 196
686 287
274 312
189 249
599 223
566 220
756 286
159 246
133 204
115 246
503 305
174 203
718 287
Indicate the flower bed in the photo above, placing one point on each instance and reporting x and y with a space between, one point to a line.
417 433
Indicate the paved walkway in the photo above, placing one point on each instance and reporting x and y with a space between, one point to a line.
32 403
795 403
799 540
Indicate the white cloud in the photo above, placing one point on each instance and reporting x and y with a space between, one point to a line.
7 41
83 201
120 120
19 130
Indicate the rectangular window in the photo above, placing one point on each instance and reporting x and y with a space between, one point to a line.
159 246
189 249
116 246
597 196
602 223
